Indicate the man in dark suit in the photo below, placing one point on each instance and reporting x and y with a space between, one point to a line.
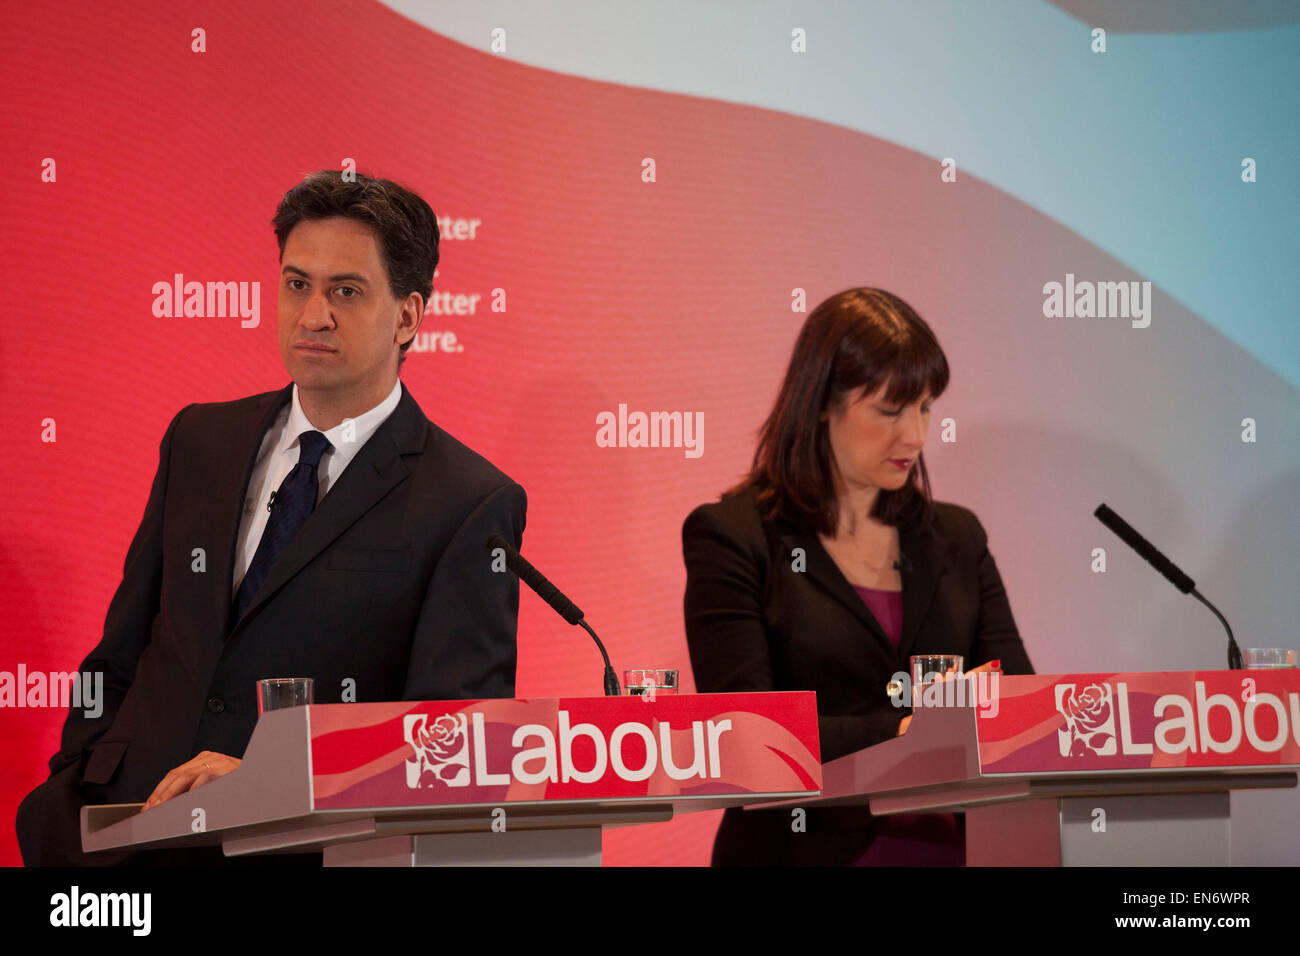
325 530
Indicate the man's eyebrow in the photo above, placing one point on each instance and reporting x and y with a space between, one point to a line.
341 277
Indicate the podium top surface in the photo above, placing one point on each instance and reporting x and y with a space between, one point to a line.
993 737
550 761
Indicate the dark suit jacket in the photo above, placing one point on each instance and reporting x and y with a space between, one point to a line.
388 585
753 623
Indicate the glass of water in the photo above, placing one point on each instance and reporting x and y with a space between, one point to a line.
928 668
274 693
1269 658
650 682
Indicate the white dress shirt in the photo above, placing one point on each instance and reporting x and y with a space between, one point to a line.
279 453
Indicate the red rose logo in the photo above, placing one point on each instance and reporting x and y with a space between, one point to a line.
441 751
1089 718
442 737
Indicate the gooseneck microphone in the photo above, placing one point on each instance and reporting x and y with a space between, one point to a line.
1171 571
552 595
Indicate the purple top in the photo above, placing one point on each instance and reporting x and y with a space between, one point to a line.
911 839
887 608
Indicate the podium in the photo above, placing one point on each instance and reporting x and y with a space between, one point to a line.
1085 769
491 782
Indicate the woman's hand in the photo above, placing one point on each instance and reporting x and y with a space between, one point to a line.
990 667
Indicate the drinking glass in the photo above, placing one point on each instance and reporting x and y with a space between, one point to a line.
650 682
274 693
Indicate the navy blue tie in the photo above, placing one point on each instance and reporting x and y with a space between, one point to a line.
292 502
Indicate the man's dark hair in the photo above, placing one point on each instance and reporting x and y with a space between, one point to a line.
407 227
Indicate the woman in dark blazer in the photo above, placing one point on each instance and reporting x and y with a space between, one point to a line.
830 565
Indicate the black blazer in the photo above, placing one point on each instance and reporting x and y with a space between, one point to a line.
387 586
754 623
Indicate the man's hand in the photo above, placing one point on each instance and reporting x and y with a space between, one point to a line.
192 775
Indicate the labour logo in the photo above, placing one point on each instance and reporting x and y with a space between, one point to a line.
441 751
1089 720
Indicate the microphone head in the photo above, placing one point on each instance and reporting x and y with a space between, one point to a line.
1106 516
1117 524
1144 548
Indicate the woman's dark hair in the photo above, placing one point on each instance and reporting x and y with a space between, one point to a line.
860 338
407 227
